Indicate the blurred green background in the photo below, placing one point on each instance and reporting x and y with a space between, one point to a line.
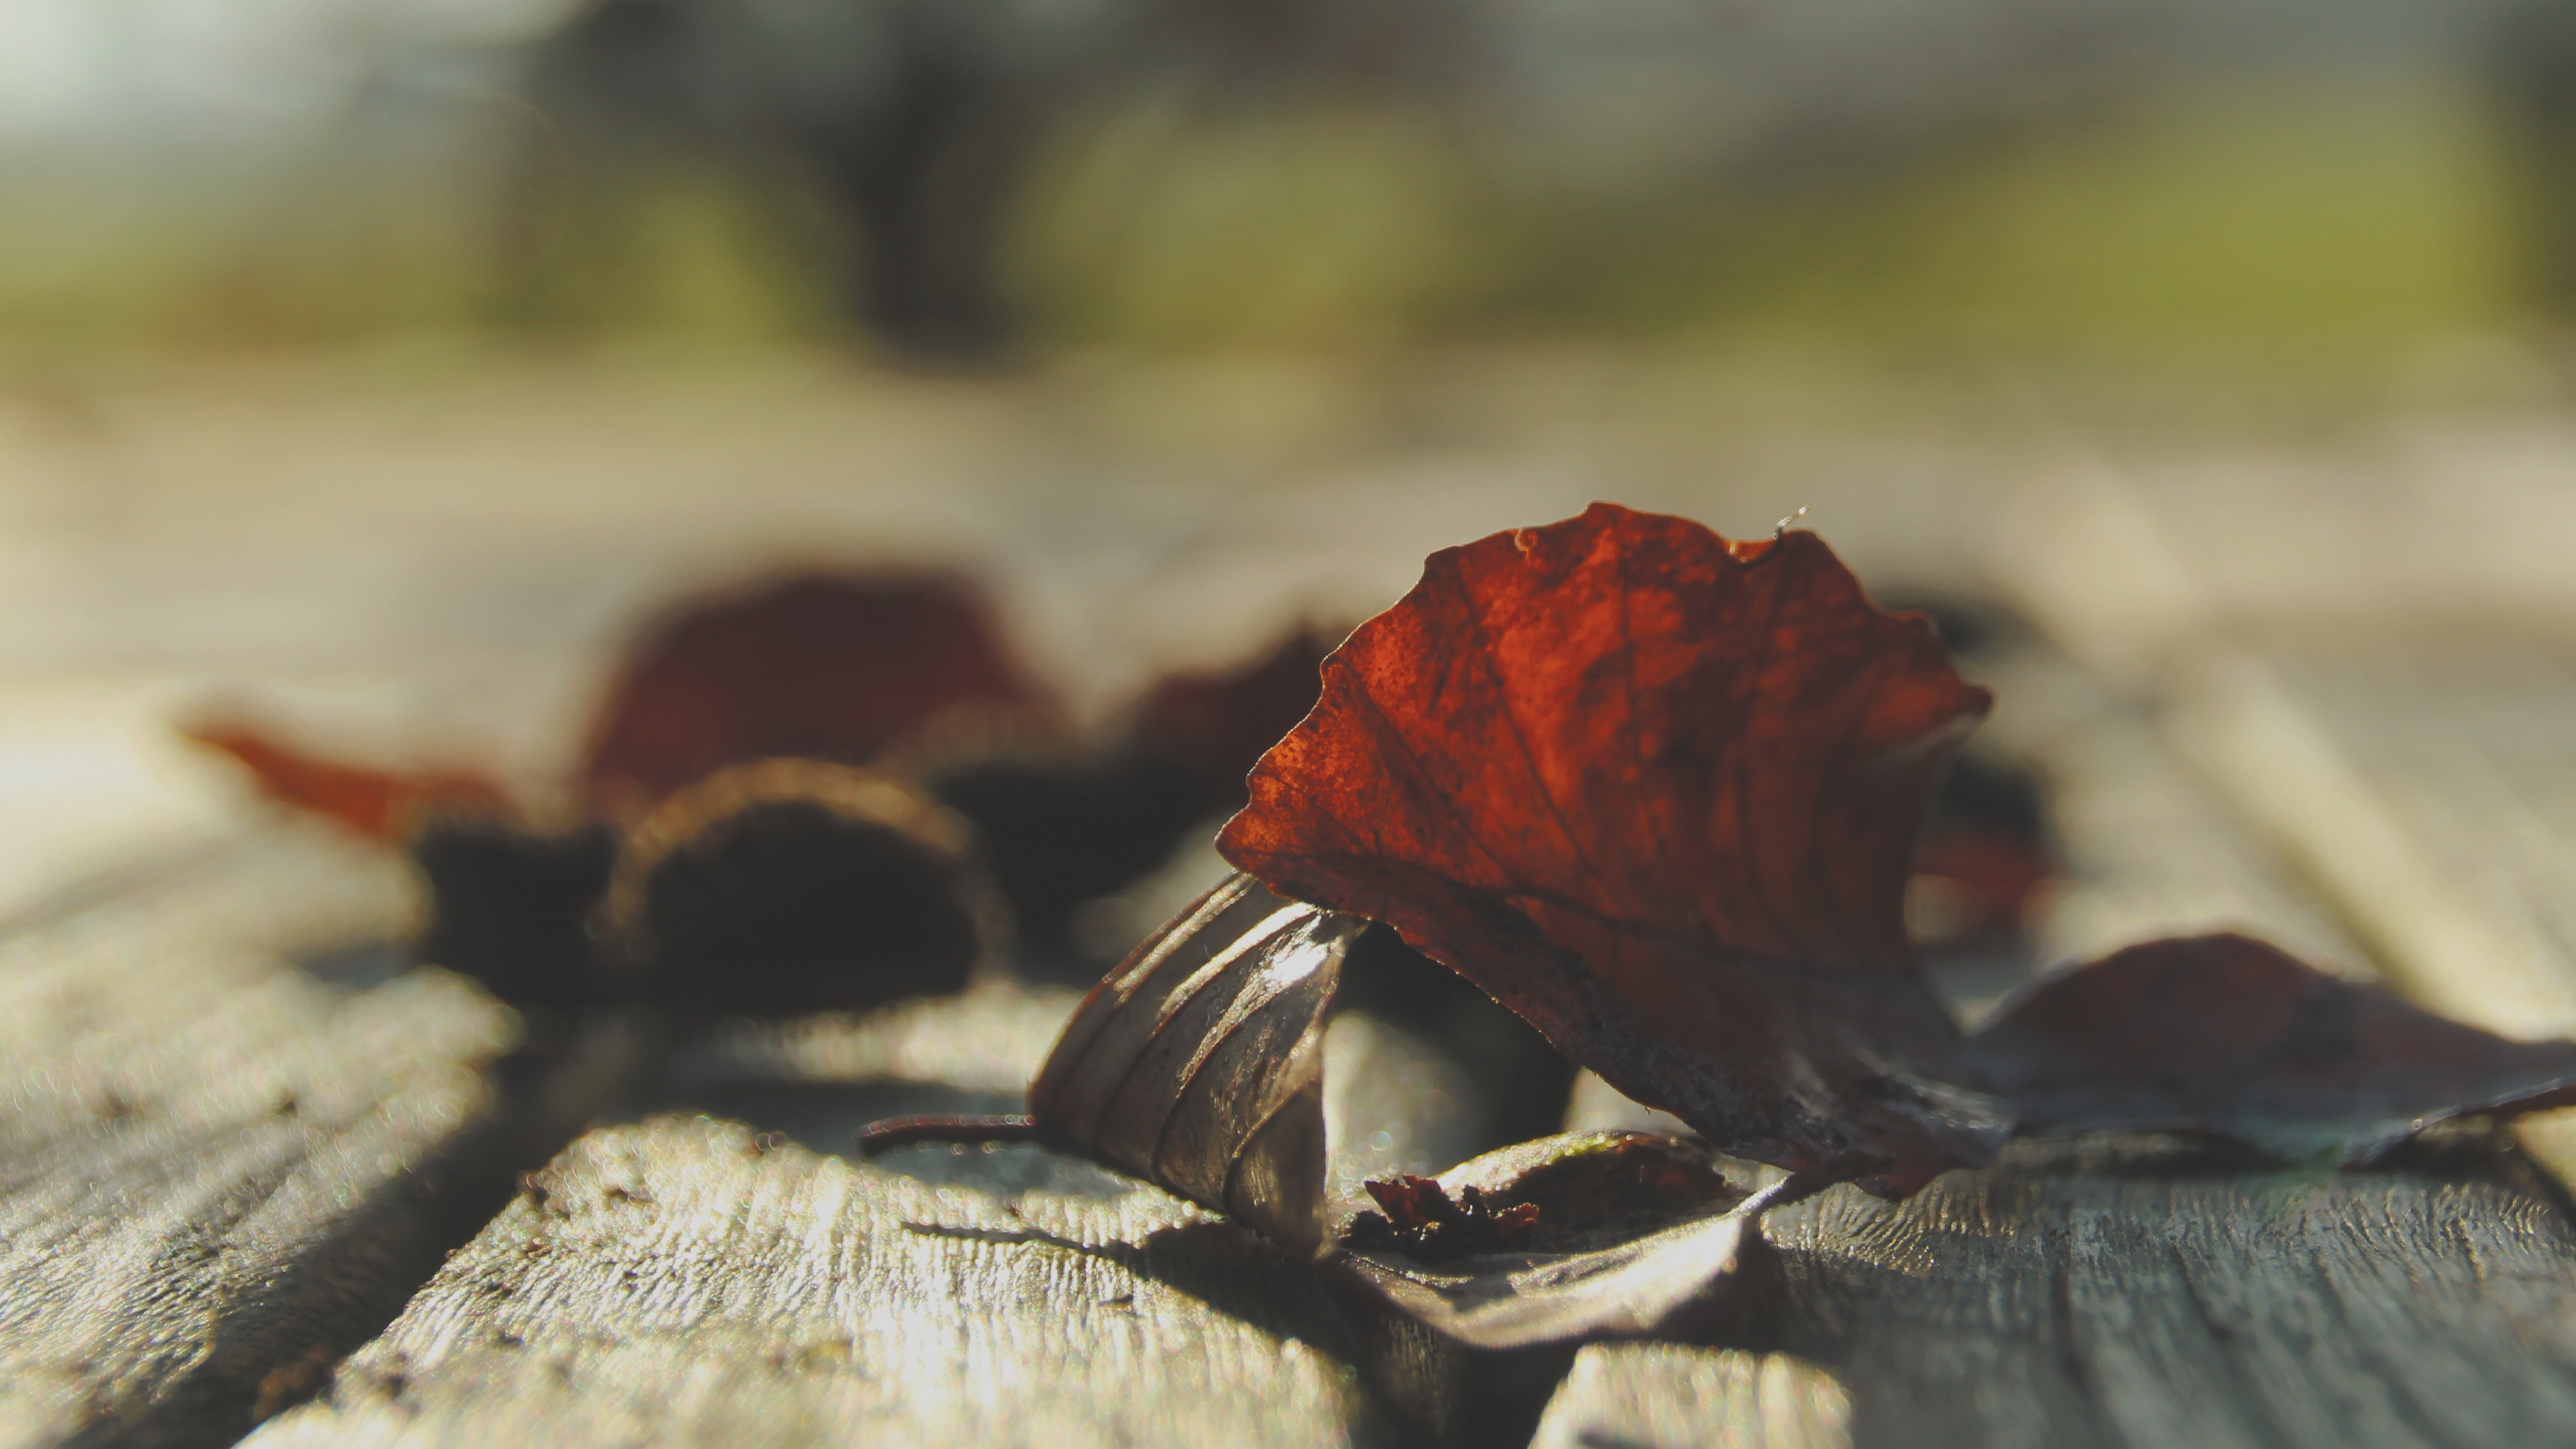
2297 183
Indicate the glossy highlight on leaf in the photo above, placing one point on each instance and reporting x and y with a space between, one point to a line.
2227 1036
1658 793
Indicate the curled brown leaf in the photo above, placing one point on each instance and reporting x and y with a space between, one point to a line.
1197 1062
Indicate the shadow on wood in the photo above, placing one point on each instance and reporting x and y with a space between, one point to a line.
2141 1293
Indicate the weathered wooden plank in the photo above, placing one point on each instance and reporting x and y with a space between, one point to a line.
2146 850
2141 1294
1667 1396
985 1295
2415 777
2425 792
218 1170
2150 1294
687 1281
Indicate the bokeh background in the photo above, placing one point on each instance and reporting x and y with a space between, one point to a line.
967 182
384 361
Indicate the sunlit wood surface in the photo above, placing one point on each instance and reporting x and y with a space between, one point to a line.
238 1144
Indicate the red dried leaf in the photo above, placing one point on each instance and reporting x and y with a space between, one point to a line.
835 667
1656 792
2226 1036
380 804
1411 1204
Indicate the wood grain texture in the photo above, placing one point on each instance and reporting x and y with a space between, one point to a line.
220 1169
2147 850
1667 1396
690 1282
2141 1292
2426 796
2147 1294
2412 769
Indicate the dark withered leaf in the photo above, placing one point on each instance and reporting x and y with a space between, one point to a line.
1197 1065
1197 1062
510 905
1065 826
1658 793
2229 1037
793 886
1626 1234
1417 1216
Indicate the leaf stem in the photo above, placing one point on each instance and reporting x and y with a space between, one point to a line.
895 1132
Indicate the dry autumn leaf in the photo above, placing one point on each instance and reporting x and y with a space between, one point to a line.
1658 793
835 667
2229 1037
382 804
904 672
1197 1062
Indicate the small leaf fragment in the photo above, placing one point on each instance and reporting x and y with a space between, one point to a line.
1602 1255
1417 1217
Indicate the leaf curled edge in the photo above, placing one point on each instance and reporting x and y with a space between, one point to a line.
1197 1065
1197 1062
